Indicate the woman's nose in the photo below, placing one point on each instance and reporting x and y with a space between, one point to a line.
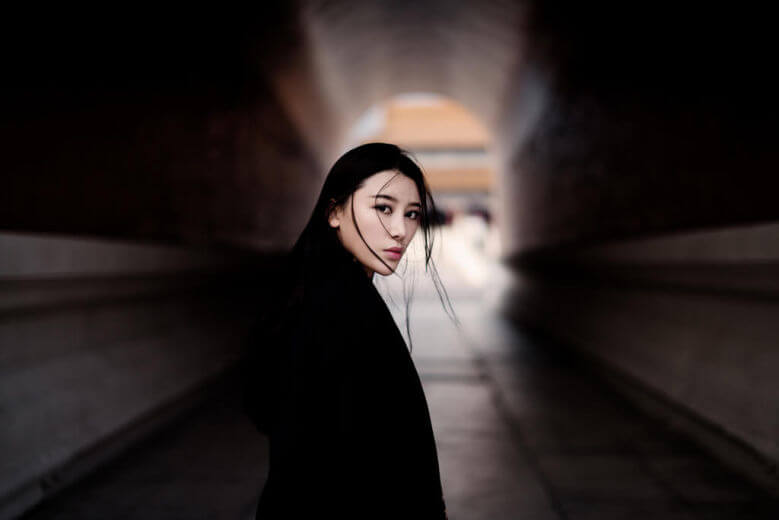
398 229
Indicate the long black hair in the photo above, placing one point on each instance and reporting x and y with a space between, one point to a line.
318 247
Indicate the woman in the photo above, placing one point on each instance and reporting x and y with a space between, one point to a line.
329 378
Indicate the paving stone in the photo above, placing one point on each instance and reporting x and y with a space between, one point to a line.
764 509
486 478
611 509
463 407
699 481
600 477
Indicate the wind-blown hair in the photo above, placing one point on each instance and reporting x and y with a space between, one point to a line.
318 248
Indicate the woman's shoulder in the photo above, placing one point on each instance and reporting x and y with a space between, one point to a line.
338 301
334 305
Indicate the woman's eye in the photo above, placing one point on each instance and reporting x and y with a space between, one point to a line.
382 208
413 215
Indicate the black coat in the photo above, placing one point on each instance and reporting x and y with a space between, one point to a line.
335 389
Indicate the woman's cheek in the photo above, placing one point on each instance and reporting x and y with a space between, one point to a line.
413 232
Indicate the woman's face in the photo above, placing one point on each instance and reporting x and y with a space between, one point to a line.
387 210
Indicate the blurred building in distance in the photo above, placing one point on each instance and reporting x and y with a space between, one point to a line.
451 145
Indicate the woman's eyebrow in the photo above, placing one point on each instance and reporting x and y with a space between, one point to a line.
393 199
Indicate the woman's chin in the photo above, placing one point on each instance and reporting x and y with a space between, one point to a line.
385 271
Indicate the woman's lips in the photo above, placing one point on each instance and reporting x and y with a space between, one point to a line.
395 254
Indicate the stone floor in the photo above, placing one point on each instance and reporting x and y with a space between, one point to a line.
522 433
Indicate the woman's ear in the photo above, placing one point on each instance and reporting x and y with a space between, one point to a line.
333 214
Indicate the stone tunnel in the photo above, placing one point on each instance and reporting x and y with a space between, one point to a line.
159 164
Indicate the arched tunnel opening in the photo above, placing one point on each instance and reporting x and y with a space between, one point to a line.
618 350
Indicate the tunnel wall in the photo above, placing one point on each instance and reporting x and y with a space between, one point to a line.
184 167
102 341
146 165
638 202
179 135
688 319
624 122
